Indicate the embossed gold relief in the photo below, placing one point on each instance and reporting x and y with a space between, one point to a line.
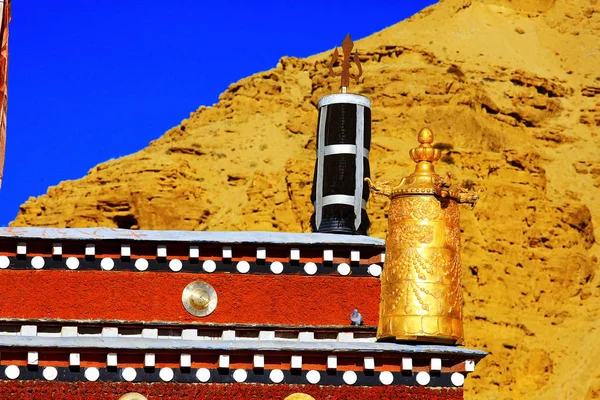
421 290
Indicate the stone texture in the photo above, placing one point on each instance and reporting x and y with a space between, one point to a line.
513 90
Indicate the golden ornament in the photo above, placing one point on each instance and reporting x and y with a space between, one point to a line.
421 289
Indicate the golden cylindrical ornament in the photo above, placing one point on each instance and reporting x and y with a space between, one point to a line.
421 289
421 296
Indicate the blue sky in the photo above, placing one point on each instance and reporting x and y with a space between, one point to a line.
95 80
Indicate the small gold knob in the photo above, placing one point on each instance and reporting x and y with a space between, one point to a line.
425 136
199 298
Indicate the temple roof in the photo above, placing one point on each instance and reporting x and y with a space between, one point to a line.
189 236
139 343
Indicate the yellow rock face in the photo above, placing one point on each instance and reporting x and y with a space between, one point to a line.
513 90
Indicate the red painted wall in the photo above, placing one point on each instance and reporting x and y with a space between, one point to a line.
108 391
156 297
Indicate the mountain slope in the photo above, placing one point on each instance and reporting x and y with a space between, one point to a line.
512 86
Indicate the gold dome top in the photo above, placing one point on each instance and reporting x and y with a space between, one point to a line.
425 136
423 179
425 153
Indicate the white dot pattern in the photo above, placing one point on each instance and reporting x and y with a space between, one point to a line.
310 268
386 377
107 264
276 376
92 374
129 374
203 375
72 263
423 378
175 265
243 267
141 264
313 376
343 269
12 372
374 270
209 266
457 379
276 267
166 374
350 377
37 262
50 373
240 375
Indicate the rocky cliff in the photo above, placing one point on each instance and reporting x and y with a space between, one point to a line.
512 88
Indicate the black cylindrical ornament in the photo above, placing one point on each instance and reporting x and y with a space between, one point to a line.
339 192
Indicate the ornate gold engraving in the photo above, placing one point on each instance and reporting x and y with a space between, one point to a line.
421 292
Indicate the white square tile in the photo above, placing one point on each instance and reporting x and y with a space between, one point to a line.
331 362
227 253
28 330
228 335
469 366
189 334
185 360
328 255
32 358
266 335
369 363
194 252
74 359
355 256
21 248
224 361
407 364
306 336
161 251
149 360
296 362
150 333
68 331
261 253
57 249
259 361
436 364
110 332
295 254
125 250
90 250
111 360
345 336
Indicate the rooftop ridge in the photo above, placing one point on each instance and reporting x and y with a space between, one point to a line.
249 237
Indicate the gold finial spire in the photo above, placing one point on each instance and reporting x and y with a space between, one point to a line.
424 180
347 45
425 151
425 155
